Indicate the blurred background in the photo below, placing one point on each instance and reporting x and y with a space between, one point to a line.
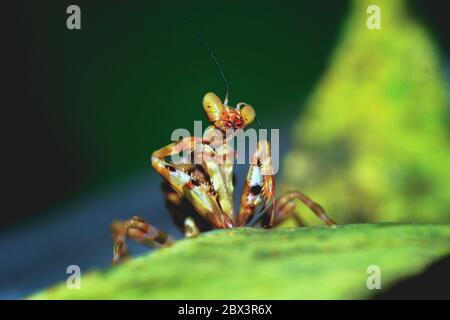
363 114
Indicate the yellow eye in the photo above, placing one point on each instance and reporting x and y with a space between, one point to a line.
212 106
248 114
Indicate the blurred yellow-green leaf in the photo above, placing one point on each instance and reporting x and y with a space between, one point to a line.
373 144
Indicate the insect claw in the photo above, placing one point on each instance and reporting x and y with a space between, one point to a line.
190 228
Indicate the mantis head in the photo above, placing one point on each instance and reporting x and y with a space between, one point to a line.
224 117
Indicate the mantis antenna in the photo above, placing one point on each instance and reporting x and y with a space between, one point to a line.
213 57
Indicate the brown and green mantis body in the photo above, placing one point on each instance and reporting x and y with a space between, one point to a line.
199 193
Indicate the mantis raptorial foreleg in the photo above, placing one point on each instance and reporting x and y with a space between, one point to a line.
209 197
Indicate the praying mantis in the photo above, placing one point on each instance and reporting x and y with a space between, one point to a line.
200 193
199 189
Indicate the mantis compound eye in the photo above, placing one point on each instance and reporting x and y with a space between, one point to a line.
212 106
248 114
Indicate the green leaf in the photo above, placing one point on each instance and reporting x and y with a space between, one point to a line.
284 263
373 144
